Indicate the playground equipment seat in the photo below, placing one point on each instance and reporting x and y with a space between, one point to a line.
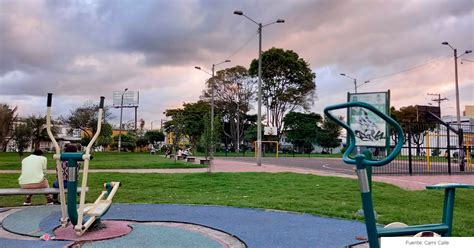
87 215
363 164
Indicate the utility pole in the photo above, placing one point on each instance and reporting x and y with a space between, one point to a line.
438 100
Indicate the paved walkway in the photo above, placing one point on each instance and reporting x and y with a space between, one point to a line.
229 165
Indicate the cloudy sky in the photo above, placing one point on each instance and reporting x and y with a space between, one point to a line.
80 50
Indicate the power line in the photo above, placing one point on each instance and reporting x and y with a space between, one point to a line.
408 69
242 47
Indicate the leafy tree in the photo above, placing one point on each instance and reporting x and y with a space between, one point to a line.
84 118
22 136
208 139
141 142
154 136
302 129
192 120
7 118
128 141
413 124
175 127
287 84
233 89
328 137
105 138
37 124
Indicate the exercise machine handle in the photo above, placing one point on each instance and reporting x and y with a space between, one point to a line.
99 125
101 105
50 99
360 158
48 124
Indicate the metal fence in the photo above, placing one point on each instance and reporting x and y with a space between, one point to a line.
432 149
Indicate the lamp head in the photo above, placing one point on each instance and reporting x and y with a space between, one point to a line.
198 67
342 74
238 12
227 61
280 21
125 89
445 43
468 51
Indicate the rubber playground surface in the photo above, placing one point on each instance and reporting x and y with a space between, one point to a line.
171 225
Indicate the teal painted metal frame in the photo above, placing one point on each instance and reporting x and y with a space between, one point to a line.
363 163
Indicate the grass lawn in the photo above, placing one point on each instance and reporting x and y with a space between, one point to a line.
106 160
326 196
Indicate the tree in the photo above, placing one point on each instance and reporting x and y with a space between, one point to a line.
22 136
7 118
38 130
233 89
175 127
105 137
84 118
287 84
302 129
155 136
414 126
192 116
209 139
128 141
328 136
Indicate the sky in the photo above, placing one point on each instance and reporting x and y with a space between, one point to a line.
81 50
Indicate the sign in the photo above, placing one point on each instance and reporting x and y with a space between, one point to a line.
130 98
369 128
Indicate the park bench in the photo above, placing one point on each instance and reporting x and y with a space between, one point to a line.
205 161
191 160
43 191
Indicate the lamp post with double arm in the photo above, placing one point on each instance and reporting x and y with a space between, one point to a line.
259 108
211 153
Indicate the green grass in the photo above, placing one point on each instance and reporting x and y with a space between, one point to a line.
106 160
326 196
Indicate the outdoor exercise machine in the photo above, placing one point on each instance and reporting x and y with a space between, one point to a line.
89 215
363 163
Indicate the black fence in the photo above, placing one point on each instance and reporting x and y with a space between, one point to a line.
432 149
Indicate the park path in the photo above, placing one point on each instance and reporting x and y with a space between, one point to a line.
228 165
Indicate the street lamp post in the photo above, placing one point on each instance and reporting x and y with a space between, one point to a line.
259 108
211 154
355 81
458 111
238 118
120 126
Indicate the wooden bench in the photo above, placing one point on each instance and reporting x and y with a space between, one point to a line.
205 161
191 160
43 191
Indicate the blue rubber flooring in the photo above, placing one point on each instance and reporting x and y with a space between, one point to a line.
255 227
157 236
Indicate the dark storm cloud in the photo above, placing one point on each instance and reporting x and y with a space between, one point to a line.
86 48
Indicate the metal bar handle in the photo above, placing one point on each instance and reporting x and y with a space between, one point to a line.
352 139
48 124
99 126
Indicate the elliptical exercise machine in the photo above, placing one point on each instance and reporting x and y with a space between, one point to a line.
87 215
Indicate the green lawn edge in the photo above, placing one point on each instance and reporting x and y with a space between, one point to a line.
311 194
